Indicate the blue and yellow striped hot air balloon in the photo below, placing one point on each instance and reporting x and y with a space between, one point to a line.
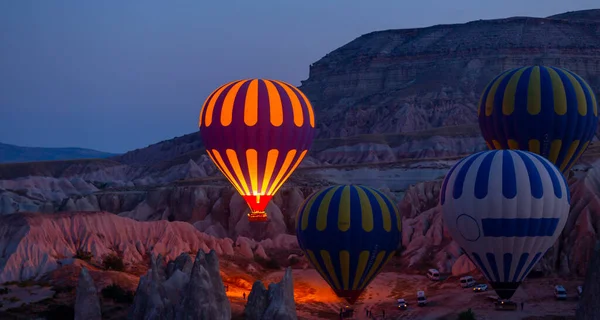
545 110
348 233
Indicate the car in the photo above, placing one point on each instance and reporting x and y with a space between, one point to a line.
433 274
560 293
467 282
480 287
421 299
402 305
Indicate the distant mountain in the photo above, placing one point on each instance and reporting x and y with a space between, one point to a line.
12 153
590 15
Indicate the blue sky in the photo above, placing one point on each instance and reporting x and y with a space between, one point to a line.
119 75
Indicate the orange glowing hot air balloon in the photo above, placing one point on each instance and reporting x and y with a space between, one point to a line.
257 132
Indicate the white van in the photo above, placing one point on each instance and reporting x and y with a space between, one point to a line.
433 275
560 293
467 282
421 298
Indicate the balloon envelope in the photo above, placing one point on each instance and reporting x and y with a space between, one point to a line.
257 132
348 233
505 209
546 110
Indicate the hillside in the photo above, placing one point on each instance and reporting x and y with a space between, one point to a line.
12 153
415 79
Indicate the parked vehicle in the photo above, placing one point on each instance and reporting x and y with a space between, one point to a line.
402 305
480 287
560 293
467 282
433 274
421 298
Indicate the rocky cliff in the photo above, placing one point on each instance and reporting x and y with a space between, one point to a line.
416 79
218 216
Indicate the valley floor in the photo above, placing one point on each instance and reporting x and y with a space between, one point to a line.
315 300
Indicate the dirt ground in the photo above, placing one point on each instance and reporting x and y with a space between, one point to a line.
315 300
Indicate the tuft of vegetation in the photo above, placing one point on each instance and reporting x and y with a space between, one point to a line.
113 262
13 299
4 291
267 263
83 255
466 315
117 294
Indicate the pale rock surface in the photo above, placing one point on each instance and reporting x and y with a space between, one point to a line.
182 290
87 301
33 244
275 303
463 265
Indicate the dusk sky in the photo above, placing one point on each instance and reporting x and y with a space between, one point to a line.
119 75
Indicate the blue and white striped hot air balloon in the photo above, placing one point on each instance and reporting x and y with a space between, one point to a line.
505 208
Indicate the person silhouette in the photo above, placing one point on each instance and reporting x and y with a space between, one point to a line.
244 295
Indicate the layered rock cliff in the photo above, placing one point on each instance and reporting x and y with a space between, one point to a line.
416 79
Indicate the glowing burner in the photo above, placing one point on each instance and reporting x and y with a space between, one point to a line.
257 204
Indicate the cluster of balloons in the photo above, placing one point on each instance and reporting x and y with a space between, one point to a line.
505 207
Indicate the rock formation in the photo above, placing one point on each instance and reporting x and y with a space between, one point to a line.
275 303
589 308
182 290
415 79
34 244
87 302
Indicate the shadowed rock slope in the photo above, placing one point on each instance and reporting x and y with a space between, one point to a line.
416 79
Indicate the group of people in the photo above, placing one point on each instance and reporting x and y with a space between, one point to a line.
344 312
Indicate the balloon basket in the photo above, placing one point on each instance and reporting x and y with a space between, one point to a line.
258 217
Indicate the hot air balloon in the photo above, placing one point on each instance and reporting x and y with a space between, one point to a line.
505 209
545 110
257 132
348 233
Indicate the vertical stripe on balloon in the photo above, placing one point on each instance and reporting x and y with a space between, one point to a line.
324 210
286 164
360 269
228 103
329 266
275 105
295 101
272 156
289 173
366 210
531 264
210 108
235 164
374 267
344 210
345 268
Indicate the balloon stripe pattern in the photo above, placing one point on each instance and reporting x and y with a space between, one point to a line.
349 233
257 132
546 110
506 209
